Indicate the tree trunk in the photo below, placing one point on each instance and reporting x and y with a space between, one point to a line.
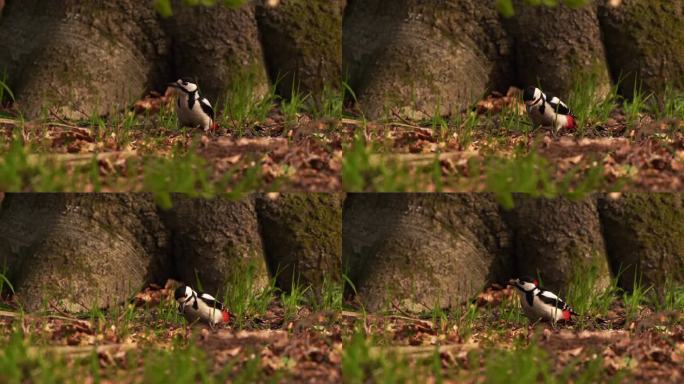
423 57
80 251
215 242
81 58
422 250
220 47
557 47
644 235
302 41
557 239
643 41
302 236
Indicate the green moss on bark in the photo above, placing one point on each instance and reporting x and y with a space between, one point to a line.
644 236
302 236
643 42
302 42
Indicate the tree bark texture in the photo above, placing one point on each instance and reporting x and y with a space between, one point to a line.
214 241
558 47
81 58
302 236
421 57
84 58
218 46
302 41
79 251
421 251
643 42
644 235
557 240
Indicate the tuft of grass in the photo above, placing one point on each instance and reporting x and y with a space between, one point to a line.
585 293
246 296
529 364
672 296
366 169
329 297
19 170
330 102
510 311
361 365
589 110
671 105
20 364
634 107
293 299
292 106
635 299
5 90
183 172
532 174
182 364
244 105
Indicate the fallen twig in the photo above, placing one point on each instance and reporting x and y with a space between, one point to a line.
79 351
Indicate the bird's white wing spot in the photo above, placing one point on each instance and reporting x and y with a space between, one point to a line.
550 295
207 296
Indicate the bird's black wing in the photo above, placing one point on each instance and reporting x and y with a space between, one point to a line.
558 105
206 107
550 298
211 301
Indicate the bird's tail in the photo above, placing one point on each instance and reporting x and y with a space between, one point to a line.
571 122
226 316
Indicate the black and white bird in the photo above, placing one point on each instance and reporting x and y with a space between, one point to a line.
192 109
200 306
547 111
538 303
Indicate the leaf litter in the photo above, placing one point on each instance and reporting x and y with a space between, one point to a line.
306 348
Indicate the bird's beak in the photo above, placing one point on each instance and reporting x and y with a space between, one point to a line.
512 281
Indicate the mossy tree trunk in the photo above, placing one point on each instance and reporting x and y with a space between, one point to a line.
421 57
644 235
302 42
215 242
422 251
558 239
555 47
81 58
79 251
643 41
302 236
220 47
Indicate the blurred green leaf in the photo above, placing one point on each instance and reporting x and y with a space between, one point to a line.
505 7
163 7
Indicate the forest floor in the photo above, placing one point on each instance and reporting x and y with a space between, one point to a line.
293 145
619 145
487 340
264 146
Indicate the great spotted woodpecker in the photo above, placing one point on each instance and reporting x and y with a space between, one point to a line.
200 306
538 303
548 111
192 109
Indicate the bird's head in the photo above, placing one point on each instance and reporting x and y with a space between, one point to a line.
531 95
182 293
186 85
524 283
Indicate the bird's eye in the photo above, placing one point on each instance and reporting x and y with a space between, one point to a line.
185 83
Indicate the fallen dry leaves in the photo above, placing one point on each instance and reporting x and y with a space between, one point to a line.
647 157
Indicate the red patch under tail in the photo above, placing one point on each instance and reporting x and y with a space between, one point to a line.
566 314
226 316
571 123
